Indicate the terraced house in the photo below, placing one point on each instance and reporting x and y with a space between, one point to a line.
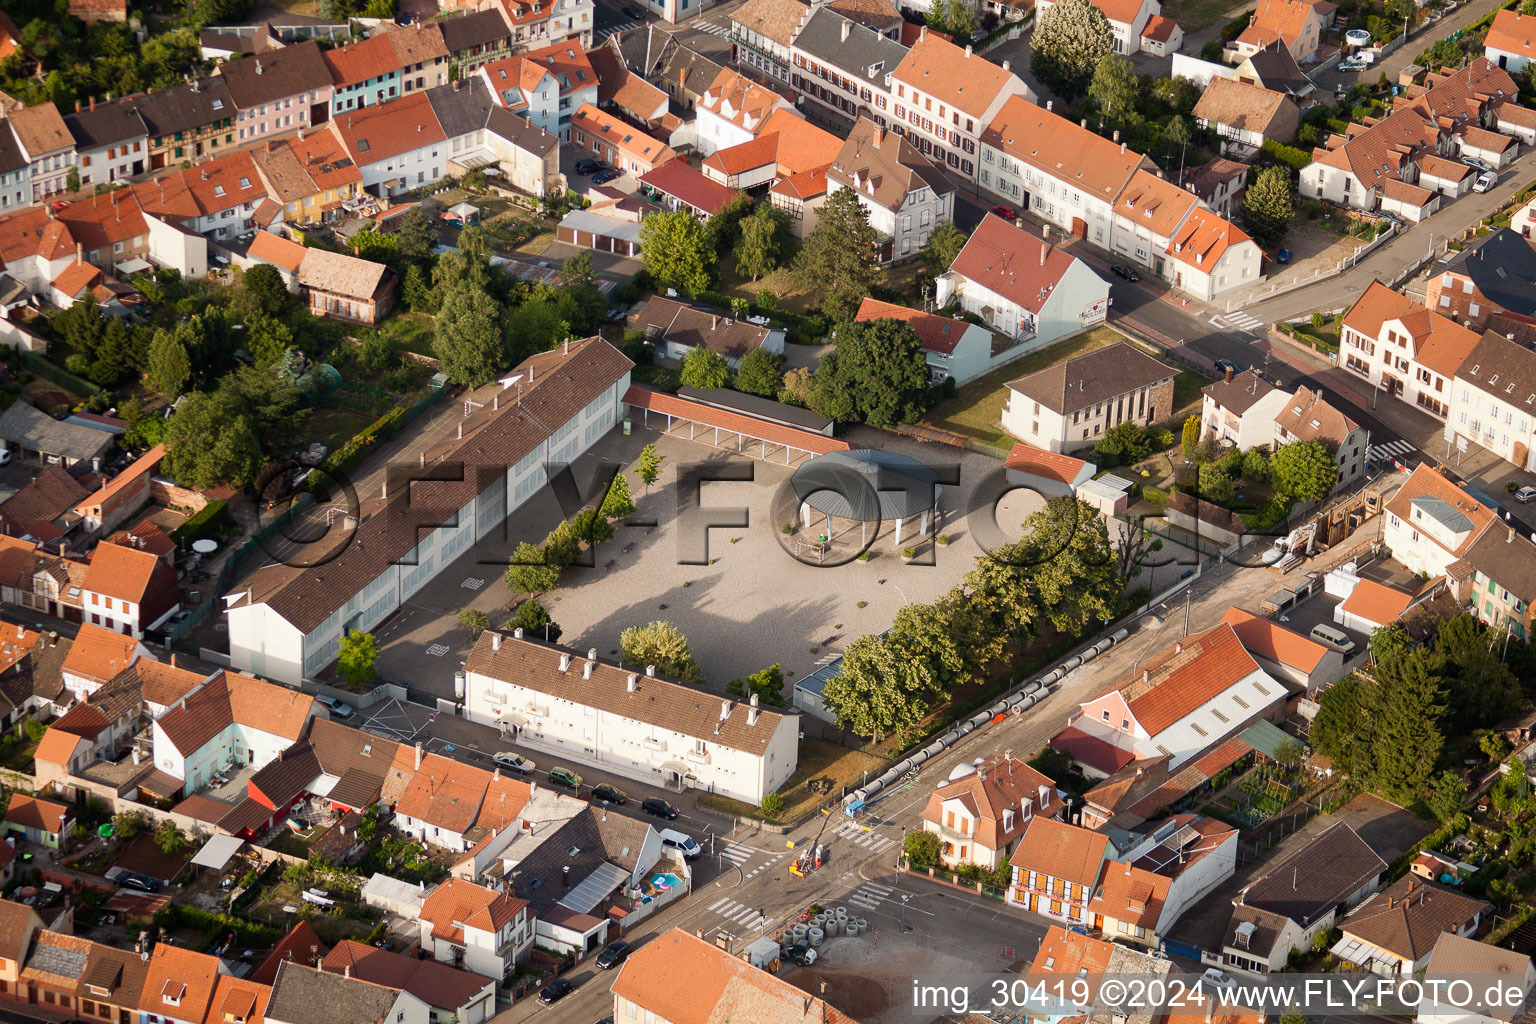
188 122
1410 352
762 32
844 69
948 96
284 90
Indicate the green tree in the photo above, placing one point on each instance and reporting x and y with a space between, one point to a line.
1391 641
414 238
1177 135
617 503
934 634
839 257
474 620
662 644
1303 470
1447 795
1190 438
356 656
529 573
267 398
938 15
759 250
1289 753
129 825
879 691
944 244
1214 485
416 291
767 685
1068 44
72 180
578 271
1341 729
1405 710
878 375
533 619
207 442
467 337
921 848
1268 206
761 373
1256 464
375 245
1132 546
169 838
265 289
962 20
704 368
676 253
1122 444
536 326
562 548
1482 690
1072 570
648 467
1114 87
591 526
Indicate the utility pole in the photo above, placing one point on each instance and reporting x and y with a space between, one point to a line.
1189 594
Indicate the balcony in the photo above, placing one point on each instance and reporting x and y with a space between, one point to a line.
656 745
697 756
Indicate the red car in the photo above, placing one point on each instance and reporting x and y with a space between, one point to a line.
1006 212
60 205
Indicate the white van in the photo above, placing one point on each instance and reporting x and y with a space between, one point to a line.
1330 637
672 839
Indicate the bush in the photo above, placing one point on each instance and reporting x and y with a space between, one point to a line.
922 849
202 523
1234 28
772 806
361 443
1211 51
1290 156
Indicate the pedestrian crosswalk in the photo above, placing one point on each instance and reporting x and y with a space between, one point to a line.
860 837
765 865
713 28
738 914
737 855
613 30
1388 450
869 896
1239 320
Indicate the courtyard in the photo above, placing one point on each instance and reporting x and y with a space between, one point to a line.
744 603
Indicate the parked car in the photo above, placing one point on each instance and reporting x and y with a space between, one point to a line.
1472 161
555 991
1121 270
604 177
672 839
614 954
134 880
631 11
565 777
1226 364
1006 212
338 708
587 166
612 794
1525 495
658 808
1485 181
1353 64
514 763
1328 636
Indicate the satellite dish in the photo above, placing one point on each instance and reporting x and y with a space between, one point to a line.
205 546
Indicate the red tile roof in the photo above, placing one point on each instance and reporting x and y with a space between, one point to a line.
457 904
964 80
1268 639
750 155
30 812
1159 29
683 183
122 572
1376 603
99 654
1012 261
597 125
277 250
76 278
1181 678
791 437
937 333
1051 465
1203 239
141 467
1061 850
380 132
1439 343
803 186
355 63
1512 32
1091 751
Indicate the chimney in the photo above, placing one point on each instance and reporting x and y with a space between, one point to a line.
591 653
846 26
1227 376
92 105
875 139
714 323
725 710
1085 123
346 970
517 634
1117 135
1508 540
1048 105
565 663
586 669
77 102
633 681
1008 65
259 69
967 53
418 757
495 641
1122 149
1045 250
650 670
922 33
565 876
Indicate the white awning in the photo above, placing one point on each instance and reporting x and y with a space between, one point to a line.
595 888
133 266
217 852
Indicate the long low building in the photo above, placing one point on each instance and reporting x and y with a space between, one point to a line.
287 622
632 723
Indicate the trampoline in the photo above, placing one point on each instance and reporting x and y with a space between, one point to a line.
864 486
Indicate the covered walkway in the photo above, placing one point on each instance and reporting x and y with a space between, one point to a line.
733 431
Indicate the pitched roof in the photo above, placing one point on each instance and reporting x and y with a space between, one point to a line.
300 945
843 41
1439 342
1268 639
358 62
1424 482
340 274
1183 677
1154 203
1238 104
1159 29
35 510
1283 19
1061 148
720 986
1275 67
1503 266
457 904
996 785
558 385
445 793
17 923
688 185
520 133
461 107
801 144
803 186
1062 850
758 423
238 999
105 124
303 993
1203 239
773 19
1509 559
1013 261
620 135
41 130
937 333
1317 878
385 131
883 167
1512 32
1376 603
1410 915
1131 894
30 812
438 985
30 427
1308 416
186 107
277 250
99 653
957 77
1052 465
738 100
180 982
238 700
1092 377
664 319
418 43
276 74
1240 393
880 15
122 572
654 700
1456 957
474 29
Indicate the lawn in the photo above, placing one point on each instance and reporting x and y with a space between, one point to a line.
1186 394
410 332
1194 15
791 294
977 411
818 759
334 425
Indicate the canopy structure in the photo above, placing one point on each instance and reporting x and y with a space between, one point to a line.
218 851
867 485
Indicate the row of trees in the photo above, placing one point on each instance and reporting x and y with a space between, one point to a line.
536 570
1388 730
1064 575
